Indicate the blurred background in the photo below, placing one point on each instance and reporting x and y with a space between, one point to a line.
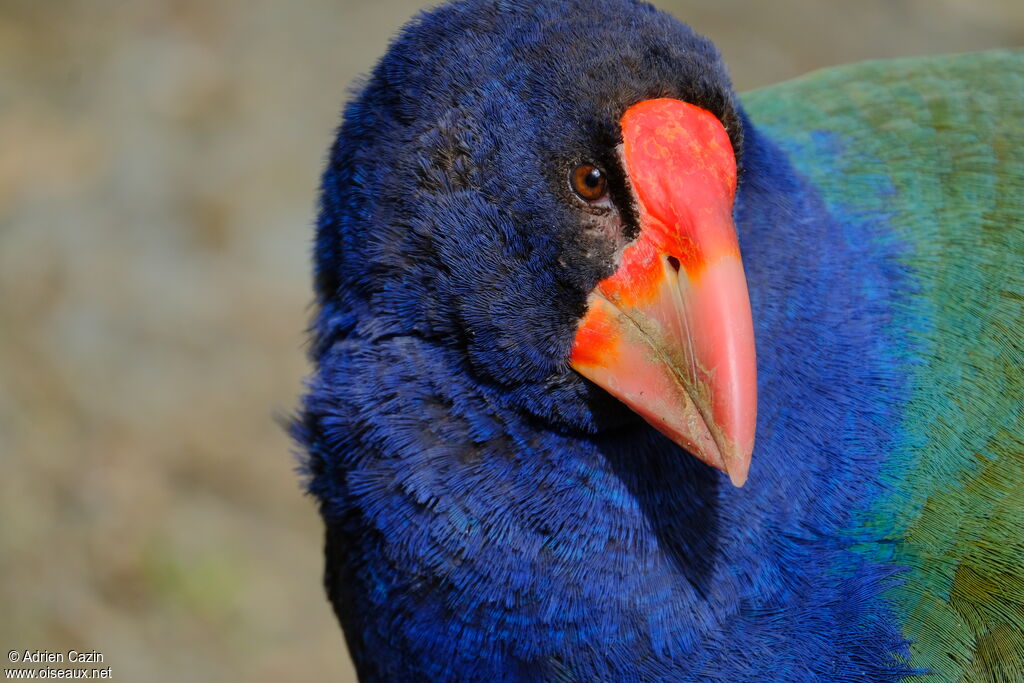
158 173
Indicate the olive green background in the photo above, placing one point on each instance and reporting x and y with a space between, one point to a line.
158 170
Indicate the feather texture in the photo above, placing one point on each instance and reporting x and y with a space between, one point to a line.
492 515
932 151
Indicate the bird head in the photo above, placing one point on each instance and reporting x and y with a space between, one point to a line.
545 191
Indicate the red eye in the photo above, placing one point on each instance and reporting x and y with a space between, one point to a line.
589 182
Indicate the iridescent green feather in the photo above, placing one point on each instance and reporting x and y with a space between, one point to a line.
934 149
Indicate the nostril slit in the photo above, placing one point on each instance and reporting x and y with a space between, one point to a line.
674 262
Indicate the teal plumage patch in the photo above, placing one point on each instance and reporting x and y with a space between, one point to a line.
935 148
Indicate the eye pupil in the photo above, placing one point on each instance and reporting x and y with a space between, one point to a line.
589 182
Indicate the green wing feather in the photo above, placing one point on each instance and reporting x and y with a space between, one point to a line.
945 137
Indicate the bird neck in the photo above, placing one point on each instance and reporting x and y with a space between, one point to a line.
470 518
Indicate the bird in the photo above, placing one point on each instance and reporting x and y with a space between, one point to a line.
621 376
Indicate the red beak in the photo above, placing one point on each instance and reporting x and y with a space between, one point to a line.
670 333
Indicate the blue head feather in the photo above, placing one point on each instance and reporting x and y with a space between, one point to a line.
490 513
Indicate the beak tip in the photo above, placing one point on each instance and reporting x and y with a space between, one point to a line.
738 479
737 465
